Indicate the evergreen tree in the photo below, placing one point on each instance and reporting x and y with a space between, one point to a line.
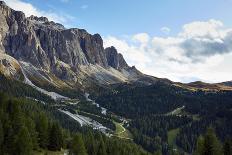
9 139
211 143
90 144
77 146
102 148
200 146
42 129
23 143
1 137
34 135
227 148
157 145
55 137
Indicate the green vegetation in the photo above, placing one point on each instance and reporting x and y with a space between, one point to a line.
28 127
122 132
43 152
18 89
119 128
77 146
25 127
172 137
152 131
156 110
209 144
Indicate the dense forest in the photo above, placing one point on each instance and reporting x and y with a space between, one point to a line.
19 89
160 98
150 109
209 144
187 136
30 121
151 131
132 102
27 127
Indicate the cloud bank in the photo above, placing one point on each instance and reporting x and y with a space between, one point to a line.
201 51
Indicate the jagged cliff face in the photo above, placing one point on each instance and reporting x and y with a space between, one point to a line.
71 55
115 59
43 43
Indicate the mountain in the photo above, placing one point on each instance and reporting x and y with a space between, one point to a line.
199 85
67 76
48 54
51 54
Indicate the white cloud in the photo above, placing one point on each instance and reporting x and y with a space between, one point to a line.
141 37
201 51
200 29
29 10
165 30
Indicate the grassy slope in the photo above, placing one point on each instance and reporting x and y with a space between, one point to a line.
122 132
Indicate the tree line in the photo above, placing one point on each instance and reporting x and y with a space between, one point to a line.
142 104
27 127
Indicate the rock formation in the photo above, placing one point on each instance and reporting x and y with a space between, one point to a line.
70 55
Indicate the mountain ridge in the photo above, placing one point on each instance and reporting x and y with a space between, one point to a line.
50 54
50 48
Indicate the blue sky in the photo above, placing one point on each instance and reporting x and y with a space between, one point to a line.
119 17
183 40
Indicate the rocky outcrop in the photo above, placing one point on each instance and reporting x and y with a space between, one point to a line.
41 42
115 59
52 48
9 66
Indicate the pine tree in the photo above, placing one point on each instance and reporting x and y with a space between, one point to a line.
42 129
34 135
199 146
9 139
157 145
55 137
77 146
211 143
227 148
102 148
1 137
90 144
23 143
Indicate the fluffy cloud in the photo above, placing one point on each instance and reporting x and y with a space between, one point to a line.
141 37
29 10
201 51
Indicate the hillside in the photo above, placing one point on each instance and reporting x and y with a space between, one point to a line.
62 92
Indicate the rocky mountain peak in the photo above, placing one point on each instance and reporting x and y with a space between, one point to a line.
43 22
115 59
2 3
49 47
39 19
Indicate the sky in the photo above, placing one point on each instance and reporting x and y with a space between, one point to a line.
182 40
